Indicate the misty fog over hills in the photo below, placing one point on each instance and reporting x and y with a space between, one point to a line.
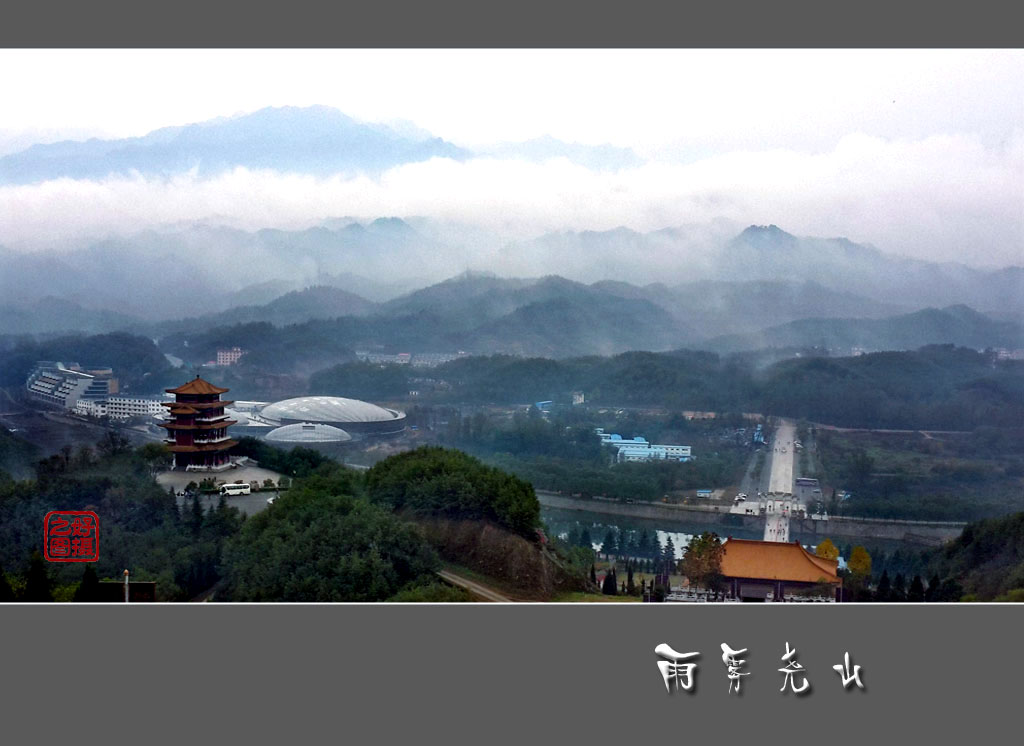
445 280
958 325
551 316
722 285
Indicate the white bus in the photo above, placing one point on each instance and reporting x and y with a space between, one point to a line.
239 488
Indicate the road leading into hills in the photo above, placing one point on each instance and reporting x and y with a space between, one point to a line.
781 480
780 483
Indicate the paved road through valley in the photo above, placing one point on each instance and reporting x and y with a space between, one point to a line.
780 482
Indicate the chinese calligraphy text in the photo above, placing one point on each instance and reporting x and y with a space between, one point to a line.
71 536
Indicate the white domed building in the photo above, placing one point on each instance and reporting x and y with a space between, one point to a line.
303 433
353 416
326 439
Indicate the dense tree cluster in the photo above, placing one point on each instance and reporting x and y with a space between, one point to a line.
16 456
361 380
678 380
637 481
986 561
702 561
320 543
137 362
435 480
943 478
564 436
334 536
141 525
310 345
936 387
296 462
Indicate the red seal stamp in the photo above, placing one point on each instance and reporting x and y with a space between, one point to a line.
71 536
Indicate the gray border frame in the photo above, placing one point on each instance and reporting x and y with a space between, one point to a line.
505 674
526 23
491 673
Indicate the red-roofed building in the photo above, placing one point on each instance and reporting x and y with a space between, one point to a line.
773 570
197 434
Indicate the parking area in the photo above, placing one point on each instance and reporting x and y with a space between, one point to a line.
248 504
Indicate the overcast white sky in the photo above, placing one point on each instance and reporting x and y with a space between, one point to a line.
920 152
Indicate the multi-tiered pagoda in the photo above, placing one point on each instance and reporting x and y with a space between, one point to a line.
197 434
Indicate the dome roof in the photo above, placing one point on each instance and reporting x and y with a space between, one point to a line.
328 409
308 432
246 418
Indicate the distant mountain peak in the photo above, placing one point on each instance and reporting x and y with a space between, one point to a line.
392 225
963 311
313 139
762 233
472 275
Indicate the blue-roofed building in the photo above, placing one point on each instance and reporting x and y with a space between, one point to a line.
637 449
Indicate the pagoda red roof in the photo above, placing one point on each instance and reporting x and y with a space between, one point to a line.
203 447
199 426
196 405
197 386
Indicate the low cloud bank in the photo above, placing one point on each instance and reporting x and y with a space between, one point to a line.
941 198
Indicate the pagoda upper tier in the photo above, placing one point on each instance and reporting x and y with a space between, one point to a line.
198 429
198 387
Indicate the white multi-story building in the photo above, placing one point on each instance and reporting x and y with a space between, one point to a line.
126 407
229 356
653 452
64 385
638 449
121 407
91 407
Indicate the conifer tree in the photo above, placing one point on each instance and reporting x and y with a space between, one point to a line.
608 586
196 521
37 581
89 588
574 537
669 555
884 590
899 588
644 544
609 546
172 504
916 592
6 592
